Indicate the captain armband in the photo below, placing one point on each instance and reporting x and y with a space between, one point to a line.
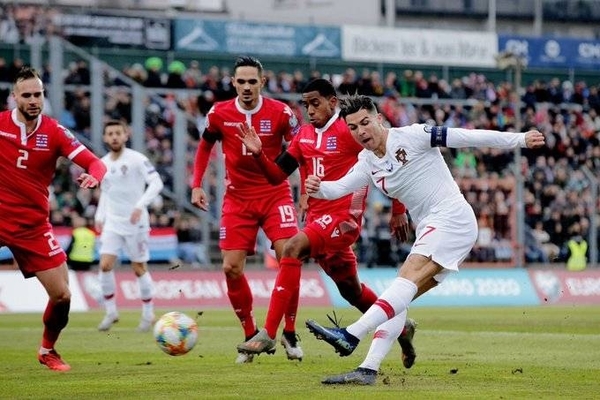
286 162
439 135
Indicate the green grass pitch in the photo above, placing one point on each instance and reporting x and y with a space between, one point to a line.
463 353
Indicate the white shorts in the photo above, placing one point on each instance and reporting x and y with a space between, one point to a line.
135 245
447 237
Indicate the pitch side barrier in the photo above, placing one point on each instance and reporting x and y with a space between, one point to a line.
207 289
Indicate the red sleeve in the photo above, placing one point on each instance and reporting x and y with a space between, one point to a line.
92 164
303 174
398 207
201 162
272 172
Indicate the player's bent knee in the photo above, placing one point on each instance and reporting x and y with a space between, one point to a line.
233 271
61 297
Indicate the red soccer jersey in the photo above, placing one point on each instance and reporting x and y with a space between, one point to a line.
273 121
27 166
329 153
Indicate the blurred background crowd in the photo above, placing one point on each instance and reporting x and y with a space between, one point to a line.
557 196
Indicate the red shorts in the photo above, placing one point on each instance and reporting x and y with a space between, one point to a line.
331 237
34 249
241 218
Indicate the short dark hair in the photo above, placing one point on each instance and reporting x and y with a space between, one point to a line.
26 73
114 122
248 61
356 102
323 86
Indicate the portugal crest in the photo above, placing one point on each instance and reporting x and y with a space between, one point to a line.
401 156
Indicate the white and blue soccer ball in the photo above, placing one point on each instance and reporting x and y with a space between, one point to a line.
176 333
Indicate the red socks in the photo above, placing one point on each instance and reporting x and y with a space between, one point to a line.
240 297
56 317
287 286
367 299
290 313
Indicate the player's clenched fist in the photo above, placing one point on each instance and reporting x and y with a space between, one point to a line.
312 184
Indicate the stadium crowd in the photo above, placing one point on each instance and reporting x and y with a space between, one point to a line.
557 195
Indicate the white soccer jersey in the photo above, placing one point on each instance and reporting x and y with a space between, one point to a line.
131 181
413 169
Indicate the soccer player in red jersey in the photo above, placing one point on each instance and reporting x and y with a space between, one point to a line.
31 144
250 200
324 148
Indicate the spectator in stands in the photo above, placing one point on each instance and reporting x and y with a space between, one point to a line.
193 75
81 251
190 249
299 81
407 85
14 68
82 112
576 250
349 84
175 77
153 72
79 73
4 72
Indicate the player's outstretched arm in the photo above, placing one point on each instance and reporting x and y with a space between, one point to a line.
354 180
442 136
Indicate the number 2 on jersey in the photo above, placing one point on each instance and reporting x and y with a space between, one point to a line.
23 157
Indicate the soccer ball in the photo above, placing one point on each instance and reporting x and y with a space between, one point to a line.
175 333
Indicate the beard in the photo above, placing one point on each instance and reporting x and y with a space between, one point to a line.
30 115
116 148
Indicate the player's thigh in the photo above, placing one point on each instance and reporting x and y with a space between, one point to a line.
279 216
340 266
446 239
239 225
36 251
136 246
331 233
111 243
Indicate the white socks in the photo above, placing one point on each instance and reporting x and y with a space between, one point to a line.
394 300
146 286
383 339
108 285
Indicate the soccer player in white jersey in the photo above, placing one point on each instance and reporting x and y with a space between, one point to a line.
130 185
406 164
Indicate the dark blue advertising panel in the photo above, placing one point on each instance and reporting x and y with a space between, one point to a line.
115 31
547 52
239 37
